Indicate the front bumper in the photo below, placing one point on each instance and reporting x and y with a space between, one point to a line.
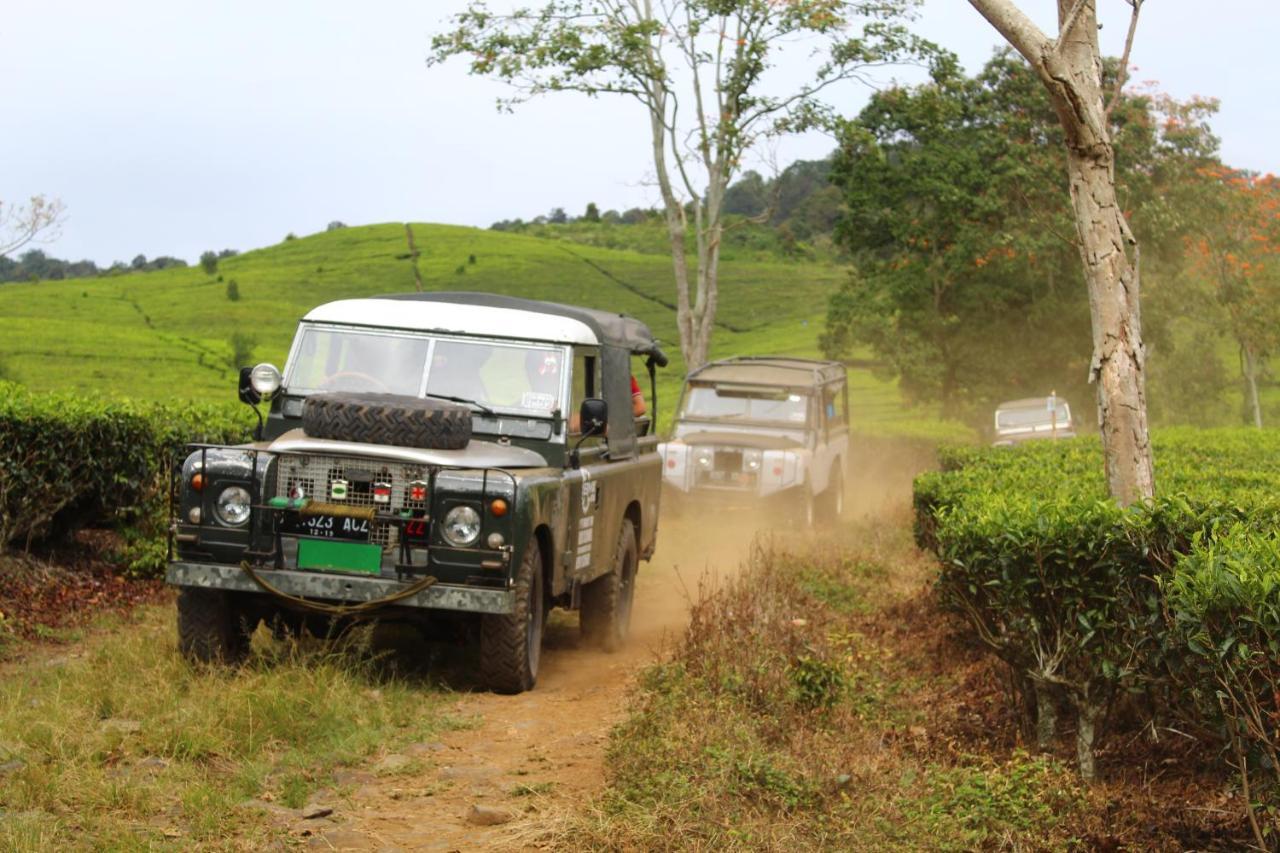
728 498
340 587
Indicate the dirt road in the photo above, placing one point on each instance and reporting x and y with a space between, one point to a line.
502 782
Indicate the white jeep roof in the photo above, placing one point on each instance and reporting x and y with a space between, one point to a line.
456 318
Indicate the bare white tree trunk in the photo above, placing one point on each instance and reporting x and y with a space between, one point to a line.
1070 67
1251 383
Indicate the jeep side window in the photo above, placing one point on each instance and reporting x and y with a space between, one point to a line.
835 405
586 383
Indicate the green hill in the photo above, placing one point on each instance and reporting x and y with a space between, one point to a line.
168 334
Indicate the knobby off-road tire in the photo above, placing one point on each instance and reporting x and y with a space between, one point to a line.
511 643
387 419
607 600
211 628
805 508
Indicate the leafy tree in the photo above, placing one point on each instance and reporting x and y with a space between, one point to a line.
139 262
592 213
335 225
233 291
1234 242
1071 69
700 70
557 216
747 196
954 219
961 227
209 262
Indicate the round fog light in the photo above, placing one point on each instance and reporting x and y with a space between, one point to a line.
193 515
496 541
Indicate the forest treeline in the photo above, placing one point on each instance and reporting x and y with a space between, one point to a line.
36 265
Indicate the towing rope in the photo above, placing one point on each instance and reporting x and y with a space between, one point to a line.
338 609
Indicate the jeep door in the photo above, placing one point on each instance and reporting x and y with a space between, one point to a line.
587 544
831 447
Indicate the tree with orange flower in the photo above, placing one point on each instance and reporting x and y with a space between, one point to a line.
1233 241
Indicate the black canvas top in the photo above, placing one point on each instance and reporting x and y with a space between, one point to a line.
782 371
610 328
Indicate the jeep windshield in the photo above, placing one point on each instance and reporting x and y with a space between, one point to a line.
499 375
1032 417
744 403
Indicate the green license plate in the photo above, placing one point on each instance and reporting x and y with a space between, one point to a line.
332 555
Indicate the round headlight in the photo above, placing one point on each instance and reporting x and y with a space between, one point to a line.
461 526
232 507
265 379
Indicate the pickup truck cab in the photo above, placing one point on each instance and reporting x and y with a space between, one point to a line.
766 432
428 456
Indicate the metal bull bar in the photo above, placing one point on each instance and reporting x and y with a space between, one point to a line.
412 529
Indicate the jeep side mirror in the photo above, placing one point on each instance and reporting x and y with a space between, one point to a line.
593 416
248 396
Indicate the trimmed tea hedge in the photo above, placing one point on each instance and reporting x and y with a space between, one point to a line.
1177 600
68 462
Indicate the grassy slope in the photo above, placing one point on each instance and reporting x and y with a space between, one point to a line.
166 334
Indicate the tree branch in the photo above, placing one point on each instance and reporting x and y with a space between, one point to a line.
1019 30
1068 23
1122 74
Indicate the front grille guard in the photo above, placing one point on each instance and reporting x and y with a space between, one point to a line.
274 556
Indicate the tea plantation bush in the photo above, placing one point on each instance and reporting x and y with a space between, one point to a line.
68 462
1177 600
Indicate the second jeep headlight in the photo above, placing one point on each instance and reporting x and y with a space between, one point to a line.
461 526
751 460
704 456
232 507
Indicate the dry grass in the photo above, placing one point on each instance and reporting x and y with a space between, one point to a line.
119 744
820 700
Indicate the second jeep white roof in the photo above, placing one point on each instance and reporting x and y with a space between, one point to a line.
454 318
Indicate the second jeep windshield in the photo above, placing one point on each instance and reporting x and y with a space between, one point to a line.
497 375
765 404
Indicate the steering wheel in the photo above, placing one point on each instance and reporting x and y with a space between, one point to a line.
355 374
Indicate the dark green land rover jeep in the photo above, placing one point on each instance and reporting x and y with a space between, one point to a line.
432 457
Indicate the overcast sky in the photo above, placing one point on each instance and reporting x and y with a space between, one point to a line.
170 127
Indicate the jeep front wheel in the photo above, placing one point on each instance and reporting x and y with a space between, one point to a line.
607 600
211 629
833 498
511 643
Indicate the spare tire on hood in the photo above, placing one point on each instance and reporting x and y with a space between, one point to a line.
393 419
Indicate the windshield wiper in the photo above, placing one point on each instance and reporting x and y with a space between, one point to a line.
481 406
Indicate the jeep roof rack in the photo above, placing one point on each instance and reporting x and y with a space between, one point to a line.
786 371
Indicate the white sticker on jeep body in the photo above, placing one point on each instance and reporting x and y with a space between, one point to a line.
586 525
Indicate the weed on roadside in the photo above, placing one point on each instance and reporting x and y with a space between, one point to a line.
122 744
785 721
